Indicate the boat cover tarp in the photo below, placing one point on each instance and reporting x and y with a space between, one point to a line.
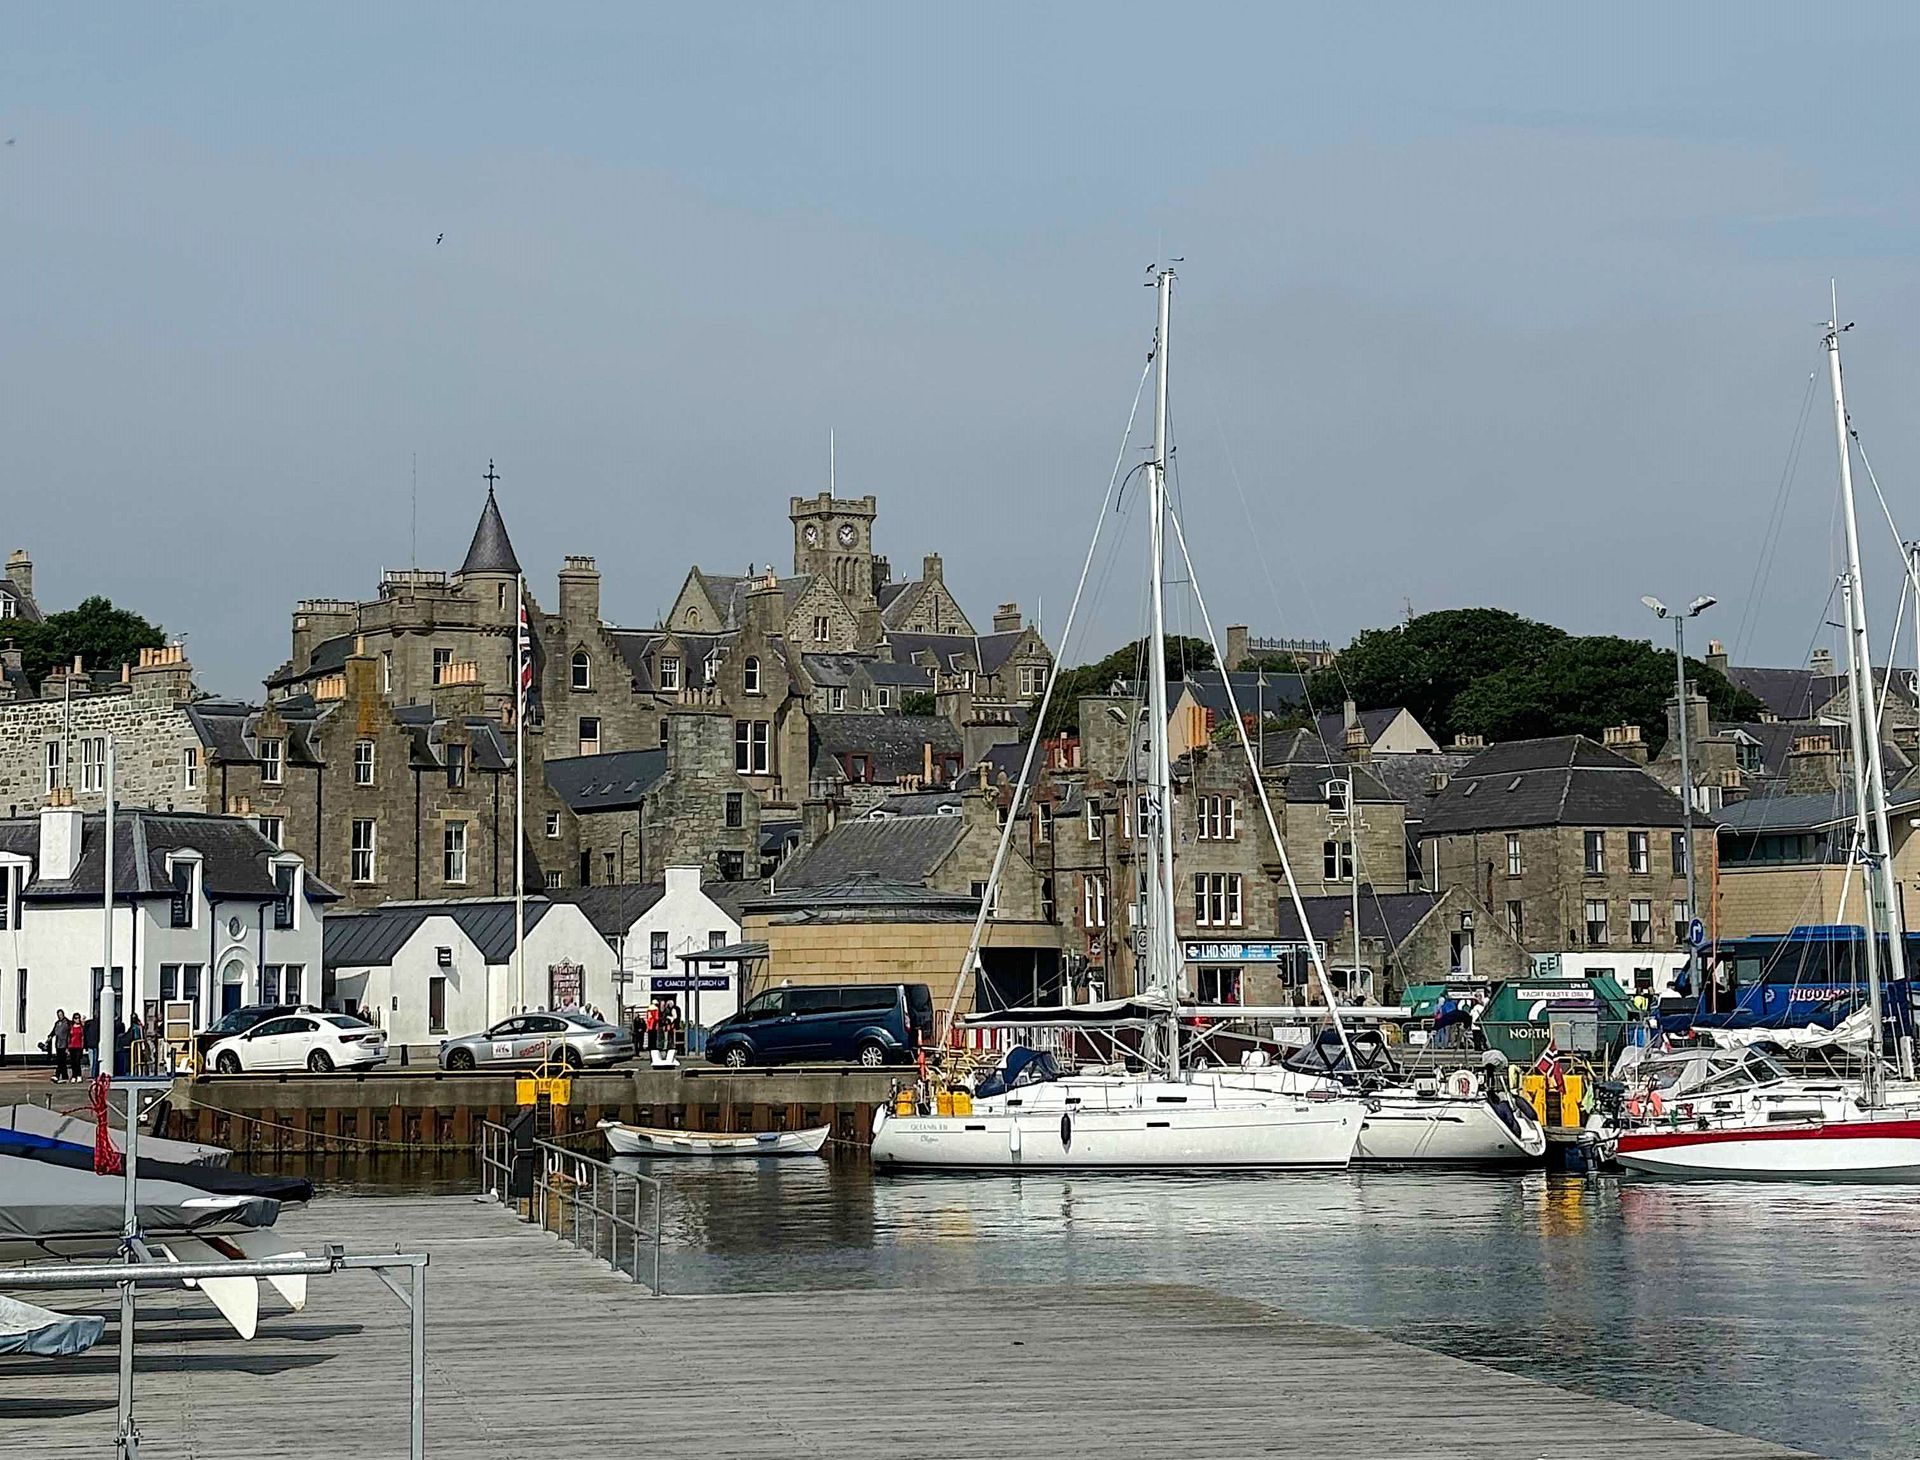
1023 1067
25 1329
204 1178
40 1200
77 1130
1145 1009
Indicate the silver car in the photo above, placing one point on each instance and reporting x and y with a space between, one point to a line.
571 1038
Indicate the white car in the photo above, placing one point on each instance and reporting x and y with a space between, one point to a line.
305 1041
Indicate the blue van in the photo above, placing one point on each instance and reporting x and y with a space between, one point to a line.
869 1024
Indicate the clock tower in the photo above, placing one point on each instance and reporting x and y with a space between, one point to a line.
833 539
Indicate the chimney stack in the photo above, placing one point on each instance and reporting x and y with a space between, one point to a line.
930 568
1626 740
1822 662
1006 619
1717 655
60 831
1236 647
580 590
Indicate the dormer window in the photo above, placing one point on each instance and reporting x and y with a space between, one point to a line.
456 767
750 674
11 877
286 894
582 669
183 873
190 768
273 761
670 671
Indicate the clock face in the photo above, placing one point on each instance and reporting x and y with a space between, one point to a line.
811 534
847 534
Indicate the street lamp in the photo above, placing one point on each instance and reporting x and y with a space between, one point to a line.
1693 610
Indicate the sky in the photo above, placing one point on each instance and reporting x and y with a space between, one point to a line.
1496 304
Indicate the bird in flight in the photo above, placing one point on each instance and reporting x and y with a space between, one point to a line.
436 242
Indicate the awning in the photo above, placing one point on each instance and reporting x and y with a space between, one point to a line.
729 953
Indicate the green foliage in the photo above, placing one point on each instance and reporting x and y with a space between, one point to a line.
918 702
100 635
1424 664
1125 663
1580 686
1271 664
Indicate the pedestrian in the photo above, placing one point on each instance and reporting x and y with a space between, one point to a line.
57 1044
76 1046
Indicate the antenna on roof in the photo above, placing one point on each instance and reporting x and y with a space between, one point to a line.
833 484
413 501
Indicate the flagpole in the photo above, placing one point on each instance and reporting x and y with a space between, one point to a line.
520 791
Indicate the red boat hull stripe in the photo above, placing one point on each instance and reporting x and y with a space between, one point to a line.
1888 1130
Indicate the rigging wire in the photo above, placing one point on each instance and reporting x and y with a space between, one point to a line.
970 966
1776 520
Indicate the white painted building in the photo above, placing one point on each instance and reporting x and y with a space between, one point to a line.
206 911
652 924
428 971
1649 971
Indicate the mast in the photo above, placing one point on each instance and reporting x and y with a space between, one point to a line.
1161 950
1869 773
522 674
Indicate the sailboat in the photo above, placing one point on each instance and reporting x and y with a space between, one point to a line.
1852 1134
1162 1117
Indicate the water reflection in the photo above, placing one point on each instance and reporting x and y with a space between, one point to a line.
1781 1312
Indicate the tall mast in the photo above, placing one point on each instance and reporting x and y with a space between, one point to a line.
522 674
1161 950
1883 902
1863 838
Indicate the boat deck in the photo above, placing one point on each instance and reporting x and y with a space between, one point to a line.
535 1349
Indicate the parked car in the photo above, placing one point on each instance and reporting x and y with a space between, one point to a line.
575 1039
868 1024
239 1022
306 1040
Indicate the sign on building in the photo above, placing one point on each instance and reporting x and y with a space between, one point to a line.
563 986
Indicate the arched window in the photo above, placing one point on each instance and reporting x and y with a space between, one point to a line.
750 675
693 614
582 670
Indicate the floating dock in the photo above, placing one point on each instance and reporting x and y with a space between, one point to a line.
535 1348
427 1109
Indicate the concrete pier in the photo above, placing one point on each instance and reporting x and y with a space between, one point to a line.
534 1349
428 1109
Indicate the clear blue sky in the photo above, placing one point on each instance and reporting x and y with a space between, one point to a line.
1490 304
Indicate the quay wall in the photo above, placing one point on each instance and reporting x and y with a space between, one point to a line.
443 1111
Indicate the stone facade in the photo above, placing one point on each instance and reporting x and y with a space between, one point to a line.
156 752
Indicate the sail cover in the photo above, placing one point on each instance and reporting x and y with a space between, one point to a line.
1145 1009
77 1130
25 1329
39 1200
213 1180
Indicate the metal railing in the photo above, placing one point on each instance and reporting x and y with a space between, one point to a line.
593 1204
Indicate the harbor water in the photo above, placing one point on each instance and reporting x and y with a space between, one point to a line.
1788 1313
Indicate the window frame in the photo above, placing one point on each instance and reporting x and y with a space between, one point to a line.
370 852
363 762
1516 858
1593 853
582 670
273 760
453 853
1639 853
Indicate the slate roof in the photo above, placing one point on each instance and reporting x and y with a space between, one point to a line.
1397 913
228 729
896 744
902 850
372 938
1306 764
234 856
1409 775
24 608
1802 811
1209 690
774 835
616 781
612 909
490 550
1800 694
918 803
1005 760
986 652
326 657
1563 780
1333 725
864 893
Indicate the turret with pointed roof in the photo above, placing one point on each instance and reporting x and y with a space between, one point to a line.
491 550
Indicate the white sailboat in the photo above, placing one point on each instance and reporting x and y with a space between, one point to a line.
1857 1134
1163 1118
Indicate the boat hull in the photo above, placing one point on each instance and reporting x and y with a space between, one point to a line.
1312 1135
1862 1150
1417 1132
636 1140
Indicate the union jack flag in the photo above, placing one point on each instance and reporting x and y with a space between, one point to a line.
526 663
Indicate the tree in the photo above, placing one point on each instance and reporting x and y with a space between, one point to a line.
918 702
1425 664
98 634
1124 665
1580 686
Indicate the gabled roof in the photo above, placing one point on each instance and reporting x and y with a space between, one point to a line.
866 893
986 652
616 781
1563 780
1802 811
24 608
1209 690
902 850
612 909
1410 775
1800 694
372 938
235 859
896 744
1374 723
490 551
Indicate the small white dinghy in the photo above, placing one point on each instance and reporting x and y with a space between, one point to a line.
641 1140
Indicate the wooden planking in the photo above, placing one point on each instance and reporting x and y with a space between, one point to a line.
535 1349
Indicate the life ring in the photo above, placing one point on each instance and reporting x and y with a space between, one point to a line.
1464 1084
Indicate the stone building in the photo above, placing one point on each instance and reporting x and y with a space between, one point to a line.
57 739
16 590
385 800
1577 849
1405 938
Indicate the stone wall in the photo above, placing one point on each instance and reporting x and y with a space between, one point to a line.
151 737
